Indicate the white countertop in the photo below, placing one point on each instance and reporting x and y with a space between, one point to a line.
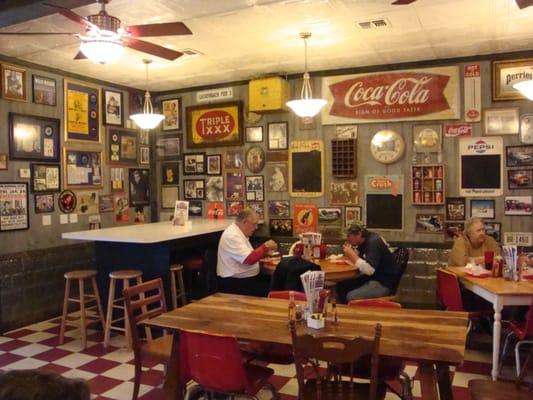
151 233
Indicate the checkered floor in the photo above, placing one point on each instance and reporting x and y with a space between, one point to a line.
110 371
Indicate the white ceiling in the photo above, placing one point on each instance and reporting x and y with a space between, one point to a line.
244 39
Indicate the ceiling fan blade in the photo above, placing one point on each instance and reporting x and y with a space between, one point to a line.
164 29
72 16
524 3
38 33
151 48
402 2
79 56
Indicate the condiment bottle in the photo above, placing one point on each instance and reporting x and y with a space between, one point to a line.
334 317
292 307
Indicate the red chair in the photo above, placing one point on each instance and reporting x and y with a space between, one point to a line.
285 294
215 363
520 330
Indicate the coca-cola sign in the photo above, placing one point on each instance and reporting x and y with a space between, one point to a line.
430 93
457 130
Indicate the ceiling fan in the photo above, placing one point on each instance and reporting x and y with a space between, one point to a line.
520 3
104 34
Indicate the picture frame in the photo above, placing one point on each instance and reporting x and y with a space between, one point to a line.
88 202
82 169
279 208
33 138
483 208
169 195
344 193
429 223
194 164
234 185
452 229
328 216
519 156
3 162
196 208
233 159
194 189
255 159
82 103
43 203
278 135
144 155
427 138
306 169
45 178
168 147
105 203
121 208
352 214
139 184
518 205
14 213
227 130
214 164
136 101
259 208
280 226
255 188
234 207
501 121
494 229
13 83
276 176
113 107
254 134
455 208
144 137
67 201
170 174
526 128
502 78
520 178
214 188
122 146
171 109
116 177
44 90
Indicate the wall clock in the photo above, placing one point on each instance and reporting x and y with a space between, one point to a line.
387 146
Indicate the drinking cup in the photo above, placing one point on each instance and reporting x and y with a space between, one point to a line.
489 259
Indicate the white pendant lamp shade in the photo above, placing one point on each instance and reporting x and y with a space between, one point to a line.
147 119
526 88
102 51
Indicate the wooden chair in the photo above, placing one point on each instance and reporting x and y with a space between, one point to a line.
328 383
143 301
177 288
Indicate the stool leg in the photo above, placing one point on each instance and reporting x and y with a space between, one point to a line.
65 312
109 315
127 329
181 285
98 302
83 322
173 293
144 310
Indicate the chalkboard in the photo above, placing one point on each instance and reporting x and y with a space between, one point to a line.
306 168
384 211
481 172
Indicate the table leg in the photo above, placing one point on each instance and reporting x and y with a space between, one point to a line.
428 381
445 383
172 386
497 331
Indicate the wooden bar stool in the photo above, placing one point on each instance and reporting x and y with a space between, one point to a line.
83 300
177 292
193 266
125 276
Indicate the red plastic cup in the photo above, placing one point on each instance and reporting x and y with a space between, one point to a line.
489 259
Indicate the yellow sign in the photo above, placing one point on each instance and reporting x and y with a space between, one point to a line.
77 112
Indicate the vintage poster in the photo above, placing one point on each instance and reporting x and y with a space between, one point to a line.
14 206
305 218
82 112
215 210
78 114
88 202
306 168
384 201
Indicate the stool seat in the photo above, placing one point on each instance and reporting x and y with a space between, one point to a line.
80 274
126 274
193 263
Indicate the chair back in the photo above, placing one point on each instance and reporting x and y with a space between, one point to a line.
285 294
380 303
401 254
448 291
214 362
310 351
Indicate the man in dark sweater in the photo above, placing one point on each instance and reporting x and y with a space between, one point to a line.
376 263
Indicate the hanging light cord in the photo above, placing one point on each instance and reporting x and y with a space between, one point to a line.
306 92
148 108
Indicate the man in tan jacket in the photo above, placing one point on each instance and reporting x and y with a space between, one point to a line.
472 244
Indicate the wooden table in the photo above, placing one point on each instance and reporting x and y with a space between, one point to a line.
500 293
432 338
334 272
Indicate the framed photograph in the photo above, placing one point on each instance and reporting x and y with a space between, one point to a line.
279 208
518 205
67 201
33 138
194 164
494 229
88 202
520 178
172 111
116 176
214 188
352 214
505 74
144 137
122 146
121 207
139 182
169 195
136 102
429 223
344 193
212 125
168 147
234 185
455 208
259 208
255 188
3 161
307 123
254 134
44 90
13 83
255 159
82 112
45 178
215 210
82 168
330 216
276 177
427 138
233 159
278 135
526 128
501 121
453 229
170 173
234 207
194 189
214 164
113 107
14 214
44 203
519 156
483 208
144 155
280 227
196 208
106 203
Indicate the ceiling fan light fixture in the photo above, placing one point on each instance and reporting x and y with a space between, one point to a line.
147 119
526 88
101 50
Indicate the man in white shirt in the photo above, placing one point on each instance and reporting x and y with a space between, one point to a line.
238 262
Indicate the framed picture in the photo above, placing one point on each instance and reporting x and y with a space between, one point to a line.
82 168
214 164
427 138
121 208
307 123
518 205
44 203
234 207
254 134
259 208
255 159
14 214
144 137
168 147
505 74
233 159
33 138
234 185
455 208
172 111
279 208
122 146
526 128
136 102
196 208
276 177
352 214
113 107
144 155
494 229
106 203
520 178
519 156
3 161
82 112
214 188
330 216
139 182
13 83
170 173
194 164
214 125
44 90
45 178
169 195
67 201
429 223
278 136
116 176
482 208
255 188
194 189
344 193
280 227
88 202
501 121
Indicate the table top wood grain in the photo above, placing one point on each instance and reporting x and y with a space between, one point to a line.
334 271
498 286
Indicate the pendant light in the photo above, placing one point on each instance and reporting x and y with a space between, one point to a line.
306 106
147 119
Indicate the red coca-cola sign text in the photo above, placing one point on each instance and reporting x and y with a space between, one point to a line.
457 130
215 125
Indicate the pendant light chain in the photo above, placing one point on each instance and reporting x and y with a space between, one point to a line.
306 92
148 108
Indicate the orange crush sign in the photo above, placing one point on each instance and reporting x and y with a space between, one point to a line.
215 125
